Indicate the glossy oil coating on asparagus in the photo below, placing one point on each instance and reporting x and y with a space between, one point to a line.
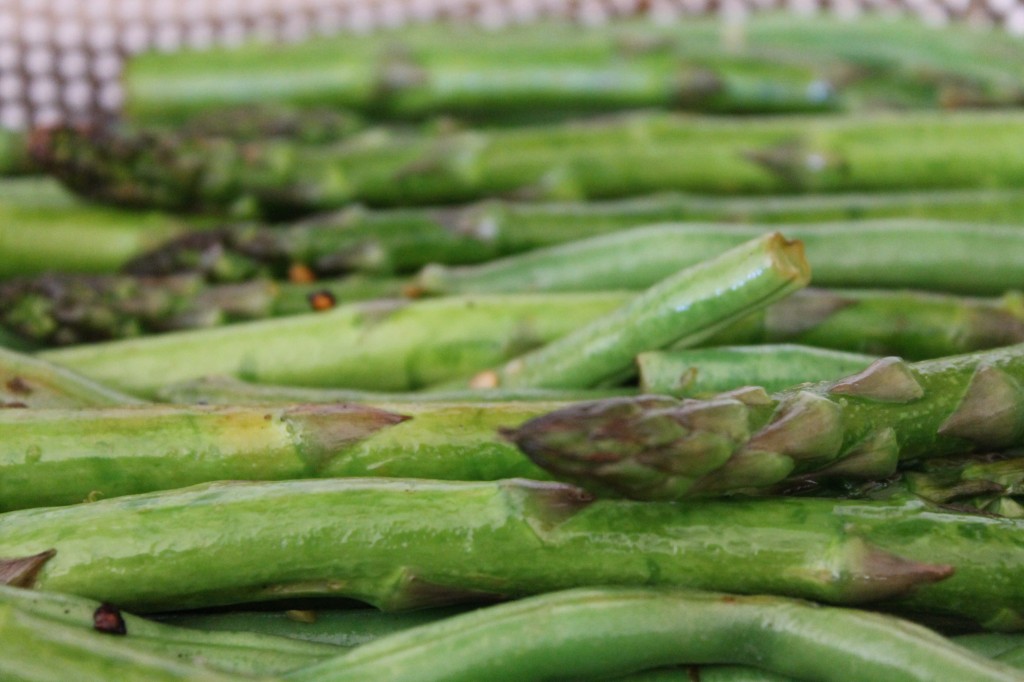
402 544
680 310
384 345
863 425
55 457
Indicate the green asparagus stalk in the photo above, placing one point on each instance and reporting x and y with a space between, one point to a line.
623 156
991 484
41 650
591 632
695 372
348 627
43 227
243 653
912 325
422 71
222 390
433 543
384 345
55 457
860 426
955 257
26 381
404 240
681 310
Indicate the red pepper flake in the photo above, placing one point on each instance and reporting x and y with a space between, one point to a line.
107 618
321 300
300 273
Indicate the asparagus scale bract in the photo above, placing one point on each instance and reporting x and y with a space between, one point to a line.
861 426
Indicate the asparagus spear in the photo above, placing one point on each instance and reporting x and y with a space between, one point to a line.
257 121
403 240
956 257
243 653
623 156
681 310
400 544
423 70
40 650
26 381
704 371
55 457
590 632
384 345
862 425
222 390
44 227
910 324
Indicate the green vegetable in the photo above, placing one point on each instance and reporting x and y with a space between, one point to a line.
590 632
957 257
30 382
404 240
221 390
682 309
625 156
860 426
700 371
910 324
383 345
414 543
41 650
54 457
243 653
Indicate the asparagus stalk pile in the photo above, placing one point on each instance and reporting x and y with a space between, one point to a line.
505 413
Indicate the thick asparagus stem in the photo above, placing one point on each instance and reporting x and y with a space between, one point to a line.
681 310
74 455
221 390
243 653
30 382
863 425
957 257
625 156
400 544
403 240
41 650
385 345
698 372
592 632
